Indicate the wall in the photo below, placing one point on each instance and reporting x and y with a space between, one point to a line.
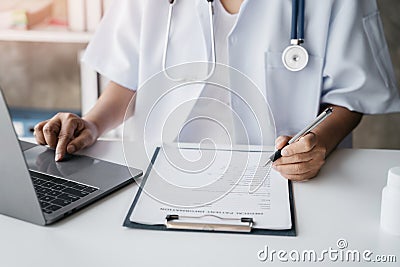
40 75
383 131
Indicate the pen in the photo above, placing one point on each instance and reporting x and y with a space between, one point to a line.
302 133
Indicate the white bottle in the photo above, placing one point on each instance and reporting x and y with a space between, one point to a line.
390 206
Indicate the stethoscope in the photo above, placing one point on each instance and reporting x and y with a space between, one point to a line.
294 57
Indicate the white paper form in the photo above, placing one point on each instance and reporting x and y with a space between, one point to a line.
213 186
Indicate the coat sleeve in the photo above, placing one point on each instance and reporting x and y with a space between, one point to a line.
114 49
358 72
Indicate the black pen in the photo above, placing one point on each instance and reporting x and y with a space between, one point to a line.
302 133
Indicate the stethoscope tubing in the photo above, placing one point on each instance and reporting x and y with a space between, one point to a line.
212 37
297 30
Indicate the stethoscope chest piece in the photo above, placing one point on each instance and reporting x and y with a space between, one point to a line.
295 58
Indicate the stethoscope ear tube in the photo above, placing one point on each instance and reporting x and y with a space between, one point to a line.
166 43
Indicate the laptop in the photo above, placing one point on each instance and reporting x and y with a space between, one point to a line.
35 188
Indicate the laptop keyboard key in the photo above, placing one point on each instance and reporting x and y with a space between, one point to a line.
75 192
47 198
58 187
68 197
38 181
80 187
37 187
90 189
43 190
59 181
39 195
45 177
44 204
60 202
49 184
53 207
54 193
70 184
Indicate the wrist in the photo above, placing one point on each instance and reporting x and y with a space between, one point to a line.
93 126
324 142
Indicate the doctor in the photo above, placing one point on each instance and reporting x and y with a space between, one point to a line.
348 67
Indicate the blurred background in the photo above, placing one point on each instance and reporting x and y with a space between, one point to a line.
41 74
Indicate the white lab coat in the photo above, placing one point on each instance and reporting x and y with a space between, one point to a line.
349 62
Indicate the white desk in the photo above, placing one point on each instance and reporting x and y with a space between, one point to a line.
343 202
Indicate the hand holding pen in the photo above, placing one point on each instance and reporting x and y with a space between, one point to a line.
275 156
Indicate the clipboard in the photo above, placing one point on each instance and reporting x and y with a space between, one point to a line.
174 222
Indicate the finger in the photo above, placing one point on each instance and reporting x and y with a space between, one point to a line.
300 177
317 153
299 168
281 141
83 140
297 158
305 144
38 133
69 128
50 132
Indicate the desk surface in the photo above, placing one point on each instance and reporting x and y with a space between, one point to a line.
343 202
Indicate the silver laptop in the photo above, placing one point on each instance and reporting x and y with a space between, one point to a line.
35 188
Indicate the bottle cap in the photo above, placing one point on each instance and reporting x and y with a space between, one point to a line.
394 177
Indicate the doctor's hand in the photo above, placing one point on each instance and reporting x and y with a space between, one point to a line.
66 133
301 160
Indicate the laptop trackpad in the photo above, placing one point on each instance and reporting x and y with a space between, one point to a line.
41 159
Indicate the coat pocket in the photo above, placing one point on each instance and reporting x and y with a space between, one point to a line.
294 97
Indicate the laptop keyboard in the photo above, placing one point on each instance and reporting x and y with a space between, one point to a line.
55 193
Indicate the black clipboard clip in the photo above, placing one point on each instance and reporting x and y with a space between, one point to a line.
189 223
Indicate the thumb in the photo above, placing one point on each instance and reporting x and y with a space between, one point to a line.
84 139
